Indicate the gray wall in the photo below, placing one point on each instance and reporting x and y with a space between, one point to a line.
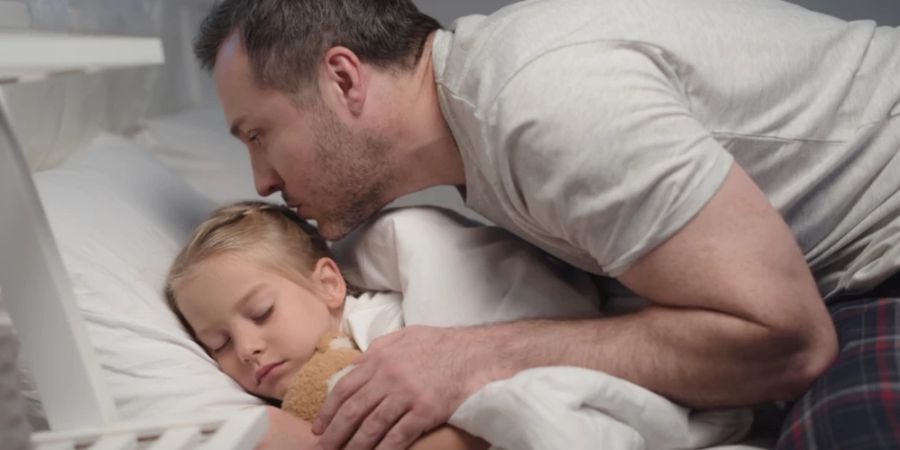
885 12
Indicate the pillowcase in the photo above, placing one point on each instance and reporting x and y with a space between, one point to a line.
454 271
197 145
119 217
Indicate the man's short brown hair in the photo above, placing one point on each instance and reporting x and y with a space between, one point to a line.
284 39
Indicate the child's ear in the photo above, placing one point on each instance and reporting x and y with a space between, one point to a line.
328 276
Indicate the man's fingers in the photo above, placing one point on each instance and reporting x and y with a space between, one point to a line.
349 416
376 425
404 433
348 385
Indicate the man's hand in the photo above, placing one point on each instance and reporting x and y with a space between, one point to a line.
406 384
287 432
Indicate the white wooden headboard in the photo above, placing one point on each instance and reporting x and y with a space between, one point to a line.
34 283
39 297
58 115
55 95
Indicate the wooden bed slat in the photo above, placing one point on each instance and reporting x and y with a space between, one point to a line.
116 442
178 439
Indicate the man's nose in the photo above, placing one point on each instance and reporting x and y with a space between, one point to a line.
265 177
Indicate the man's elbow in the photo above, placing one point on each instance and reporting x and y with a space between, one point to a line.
807 352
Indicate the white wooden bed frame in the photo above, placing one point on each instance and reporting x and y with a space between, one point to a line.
39 295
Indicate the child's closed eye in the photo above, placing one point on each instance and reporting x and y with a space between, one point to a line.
221 347
264 315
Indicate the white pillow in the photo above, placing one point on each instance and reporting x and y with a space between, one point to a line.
197 145
119 217
453 271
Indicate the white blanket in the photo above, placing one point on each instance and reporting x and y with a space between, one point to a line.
574 408
454 272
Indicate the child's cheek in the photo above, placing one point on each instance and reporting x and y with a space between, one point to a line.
284 383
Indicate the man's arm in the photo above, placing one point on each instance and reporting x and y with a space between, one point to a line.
743 305
737 319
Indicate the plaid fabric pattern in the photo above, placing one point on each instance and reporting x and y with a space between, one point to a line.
855 404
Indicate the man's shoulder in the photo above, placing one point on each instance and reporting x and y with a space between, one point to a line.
481 55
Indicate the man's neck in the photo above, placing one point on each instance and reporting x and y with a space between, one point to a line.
428 154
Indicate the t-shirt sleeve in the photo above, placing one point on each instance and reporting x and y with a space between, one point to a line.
596 144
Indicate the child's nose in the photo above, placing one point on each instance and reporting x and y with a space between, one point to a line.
250 348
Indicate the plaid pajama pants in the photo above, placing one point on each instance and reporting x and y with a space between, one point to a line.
855 404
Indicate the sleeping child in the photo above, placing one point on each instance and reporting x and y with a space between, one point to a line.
257 288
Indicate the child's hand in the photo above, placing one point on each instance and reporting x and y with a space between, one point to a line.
287 431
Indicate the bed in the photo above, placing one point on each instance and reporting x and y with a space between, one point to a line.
107 182
118 214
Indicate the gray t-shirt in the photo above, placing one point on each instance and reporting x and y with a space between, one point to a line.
596 129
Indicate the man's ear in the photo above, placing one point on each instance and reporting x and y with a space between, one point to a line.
344 79
328 276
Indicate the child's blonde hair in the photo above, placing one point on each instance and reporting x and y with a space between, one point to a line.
275 234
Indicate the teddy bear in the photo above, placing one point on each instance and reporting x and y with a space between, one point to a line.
332 359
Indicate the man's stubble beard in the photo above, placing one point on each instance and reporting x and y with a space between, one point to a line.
354 174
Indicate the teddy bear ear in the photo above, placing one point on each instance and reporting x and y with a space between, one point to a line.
324 341
333 341
341 342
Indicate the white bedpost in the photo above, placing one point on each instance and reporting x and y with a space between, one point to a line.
36 287
41 303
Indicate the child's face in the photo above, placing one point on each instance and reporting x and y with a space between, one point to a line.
259 325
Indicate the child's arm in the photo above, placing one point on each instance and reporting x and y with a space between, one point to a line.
287 432
449 438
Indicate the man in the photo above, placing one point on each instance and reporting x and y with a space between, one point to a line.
730 161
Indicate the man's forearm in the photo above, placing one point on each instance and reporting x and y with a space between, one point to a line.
696 357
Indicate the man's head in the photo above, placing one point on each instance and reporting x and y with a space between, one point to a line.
301 85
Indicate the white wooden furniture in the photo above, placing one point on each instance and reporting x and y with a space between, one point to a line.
39 295
30 56
41 303
236 432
